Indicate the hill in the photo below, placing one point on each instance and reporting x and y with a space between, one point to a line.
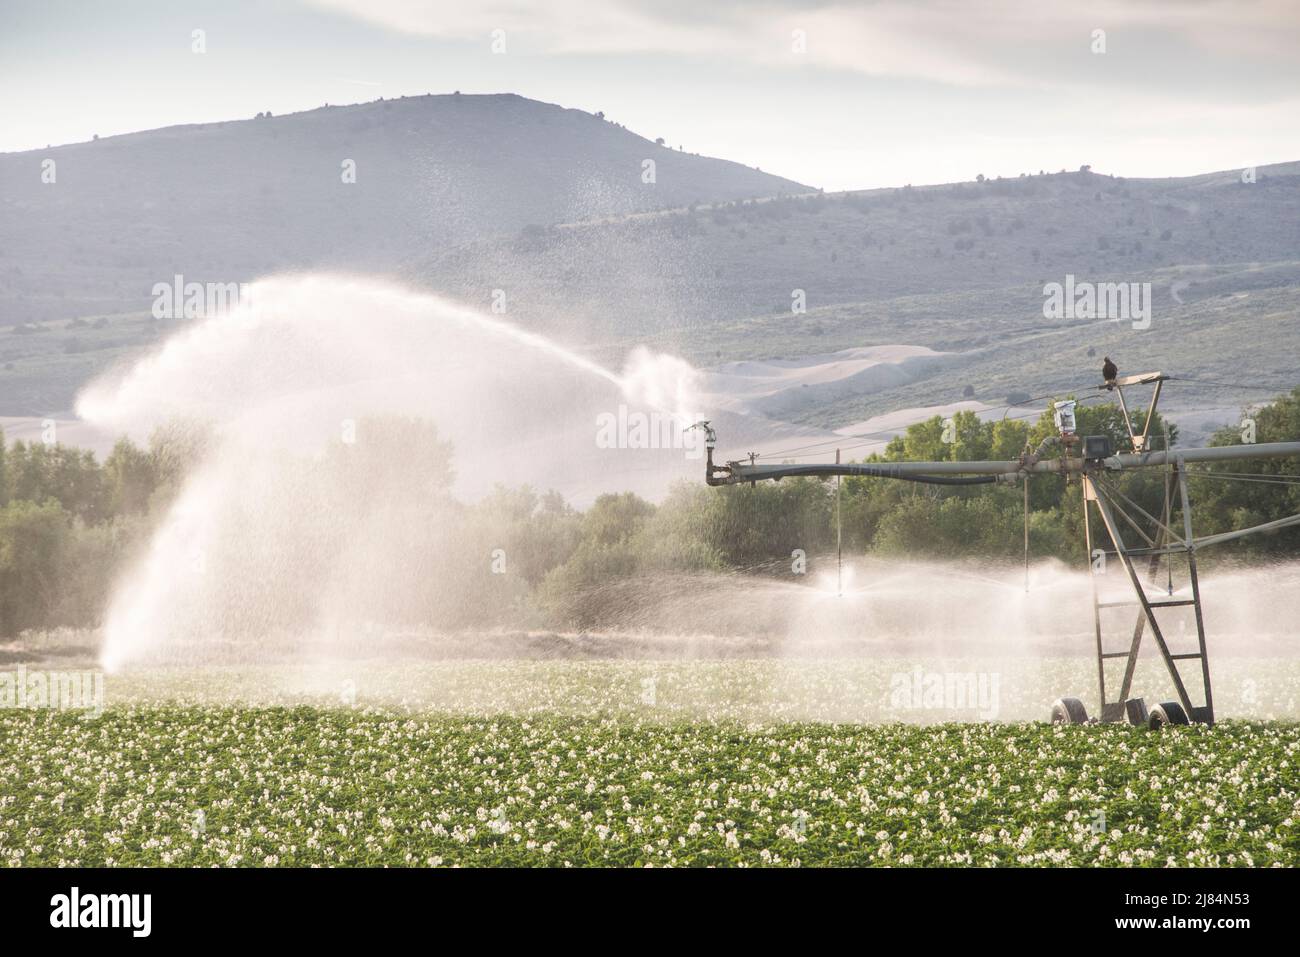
692 267
227 202
464 195
957 268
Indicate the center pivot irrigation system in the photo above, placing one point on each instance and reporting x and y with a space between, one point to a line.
1097 467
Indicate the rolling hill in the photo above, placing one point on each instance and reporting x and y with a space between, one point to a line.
692 267
464 195
227 202
958 268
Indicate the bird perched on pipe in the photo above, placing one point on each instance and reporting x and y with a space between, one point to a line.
1108 372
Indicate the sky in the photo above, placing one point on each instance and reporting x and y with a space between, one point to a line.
834 95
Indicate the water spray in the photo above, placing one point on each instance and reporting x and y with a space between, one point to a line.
1096 465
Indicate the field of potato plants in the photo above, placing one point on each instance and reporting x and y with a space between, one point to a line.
579 764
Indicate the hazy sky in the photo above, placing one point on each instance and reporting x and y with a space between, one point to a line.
883 93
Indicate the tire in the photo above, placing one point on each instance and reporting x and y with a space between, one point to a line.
1167 712
1069 711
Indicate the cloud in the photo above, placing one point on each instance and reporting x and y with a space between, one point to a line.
1003 42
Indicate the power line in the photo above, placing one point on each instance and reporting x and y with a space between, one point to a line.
1253 387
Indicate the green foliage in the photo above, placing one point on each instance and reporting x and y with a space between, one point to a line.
520 556
33 546
38 473
1221 504
1008 439
54 569
66 527
951 526
372 788
751 524
537 532
131 475
615 518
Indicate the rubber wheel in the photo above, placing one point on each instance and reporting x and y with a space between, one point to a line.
1167 712
1069 711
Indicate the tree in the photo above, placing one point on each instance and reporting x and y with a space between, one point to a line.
749 525
174 449
614 518
978 526
1223 504
33 538
37 472
972 439
608 552
922 442
1008 440
131 478
535 532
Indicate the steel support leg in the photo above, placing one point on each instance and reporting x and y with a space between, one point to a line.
1113 530
1090 492
1153 568
1205 714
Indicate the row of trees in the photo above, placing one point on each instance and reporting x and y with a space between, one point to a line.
68 521
405 551
756 528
